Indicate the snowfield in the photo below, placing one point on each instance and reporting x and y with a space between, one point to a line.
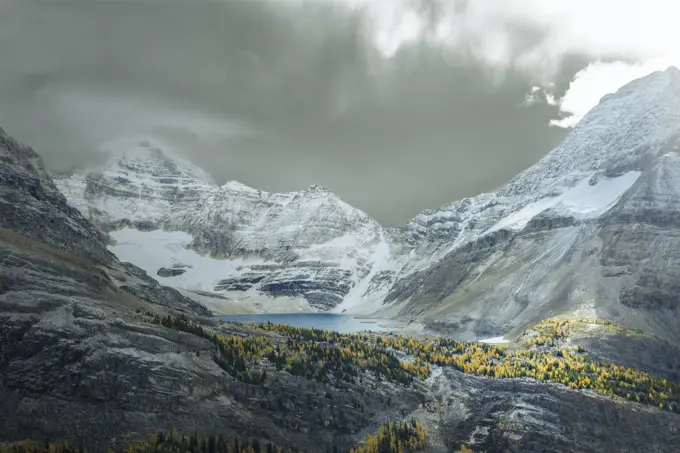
152 250
495 340
583 201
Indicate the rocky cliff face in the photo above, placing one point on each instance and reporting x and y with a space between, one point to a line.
33 206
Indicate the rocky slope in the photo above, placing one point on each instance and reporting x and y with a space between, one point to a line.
591 229
497 416
36 218
588 230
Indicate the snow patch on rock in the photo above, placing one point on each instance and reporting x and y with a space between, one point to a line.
583 201
495 340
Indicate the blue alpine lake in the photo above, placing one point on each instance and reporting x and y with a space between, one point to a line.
335 322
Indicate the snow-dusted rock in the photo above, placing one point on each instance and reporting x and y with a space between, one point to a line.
591 229
163 212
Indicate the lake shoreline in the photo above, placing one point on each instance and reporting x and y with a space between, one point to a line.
328 321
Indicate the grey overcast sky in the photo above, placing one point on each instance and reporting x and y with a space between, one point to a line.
396 106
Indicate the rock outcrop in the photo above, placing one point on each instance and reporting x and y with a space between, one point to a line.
165 272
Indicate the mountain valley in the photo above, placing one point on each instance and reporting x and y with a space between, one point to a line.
110 279
587 231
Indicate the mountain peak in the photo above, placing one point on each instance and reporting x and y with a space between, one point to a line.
317 188
614 137
653 83
235 186
150 156
672 71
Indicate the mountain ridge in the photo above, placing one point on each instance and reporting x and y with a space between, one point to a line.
266 232
554 261
323 254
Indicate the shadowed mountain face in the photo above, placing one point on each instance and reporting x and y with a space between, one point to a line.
73 362
588 230
33 206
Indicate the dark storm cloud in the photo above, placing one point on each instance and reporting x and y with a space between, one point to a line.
276 95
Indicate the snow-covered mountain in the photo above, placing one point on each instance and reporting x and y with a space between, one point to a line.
306 249
589 229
